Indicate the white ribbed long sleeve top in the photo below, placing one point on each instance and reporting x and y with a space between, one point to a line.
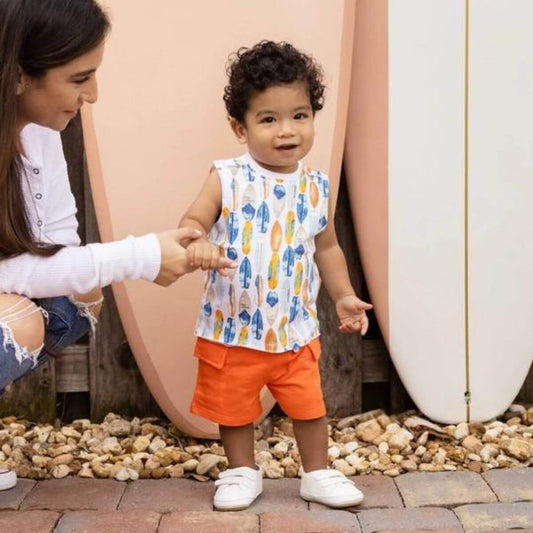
52 215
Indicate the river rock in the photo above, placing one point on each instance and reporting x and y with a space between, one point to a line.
368 431
207 461
60 471
517 448
472 444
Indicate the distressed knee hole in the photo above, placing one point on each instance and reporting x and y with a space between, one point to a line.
22 323
90 298
89 305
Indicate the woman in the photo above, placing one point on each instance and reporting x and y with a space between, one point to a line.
50 286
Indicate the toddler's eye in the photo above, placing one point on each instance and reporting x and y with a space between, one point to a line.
300 116
267 120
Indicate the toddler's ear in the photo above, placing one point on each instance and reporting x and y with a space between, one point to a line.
238 129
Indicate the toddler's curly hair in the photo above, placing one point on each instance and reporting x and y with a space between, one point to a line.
267 64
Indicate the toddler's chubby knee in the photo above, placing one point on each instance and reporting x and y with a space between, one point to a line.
24 320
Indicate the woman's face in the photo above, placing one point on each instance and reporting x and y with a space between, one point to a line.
55 98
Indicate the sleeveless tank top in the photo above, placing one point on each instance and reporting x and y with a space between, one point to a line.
267 224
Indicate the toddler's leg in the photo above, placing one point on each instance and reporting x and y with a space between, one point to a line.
238 443
312 439
319 484
242 482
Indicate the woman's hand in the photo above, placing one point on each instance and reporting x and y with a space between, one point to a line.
174 257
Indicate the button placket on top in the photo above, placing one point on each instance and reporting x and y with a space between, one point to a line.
35 184
37 187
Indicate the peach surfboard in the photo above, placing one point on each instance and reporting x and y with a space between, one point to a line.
439 162
158 125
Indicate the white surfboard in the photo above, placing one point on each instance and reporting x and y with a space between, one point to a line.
439 158
158 125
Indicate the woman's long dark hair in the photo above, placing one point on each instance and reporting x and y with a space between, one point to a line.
35 35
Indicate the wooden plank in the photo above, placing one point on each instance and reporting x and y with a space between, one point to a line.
116 385
33 397
72 369
526 392
376 361
342 354
72 138
400 400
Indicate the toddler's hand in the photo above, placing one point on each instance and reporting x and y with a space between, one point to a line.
207 256
352 314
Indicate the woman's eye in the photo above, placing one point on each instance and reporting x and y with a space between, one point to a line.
81 80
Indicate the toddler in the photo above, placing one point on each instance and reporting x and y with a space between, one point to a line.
258 323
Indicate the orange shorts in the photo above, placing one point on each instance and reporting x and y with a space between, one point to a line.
230 379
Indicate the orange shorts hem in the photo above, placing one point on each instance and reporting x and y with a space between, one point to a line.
307 414
217 418
230 379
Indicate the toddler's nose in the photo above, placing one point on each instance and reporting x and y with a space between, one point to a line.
286 129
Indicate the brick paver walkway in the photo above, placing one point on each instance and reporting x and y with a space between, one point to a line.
499 501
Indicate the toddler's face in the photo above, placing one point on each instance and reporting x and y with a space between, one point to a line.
278 127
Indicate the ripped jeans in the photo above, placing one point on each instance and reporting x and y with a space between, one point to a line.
66 321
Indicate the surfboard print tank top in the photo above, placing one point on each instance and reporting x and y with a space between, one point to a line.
267 224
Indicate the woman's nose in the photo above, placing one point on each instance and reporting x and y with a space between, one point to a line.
90 94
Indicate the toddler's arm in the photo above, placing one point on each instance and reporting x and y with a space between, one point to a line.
201 215
334 274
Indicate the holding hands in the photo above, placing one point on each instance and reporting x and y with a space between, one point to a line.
202 254
176 260
352 314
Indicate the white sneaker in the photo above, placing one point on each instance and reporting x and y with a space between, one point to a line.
329 487
8 478
237 488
